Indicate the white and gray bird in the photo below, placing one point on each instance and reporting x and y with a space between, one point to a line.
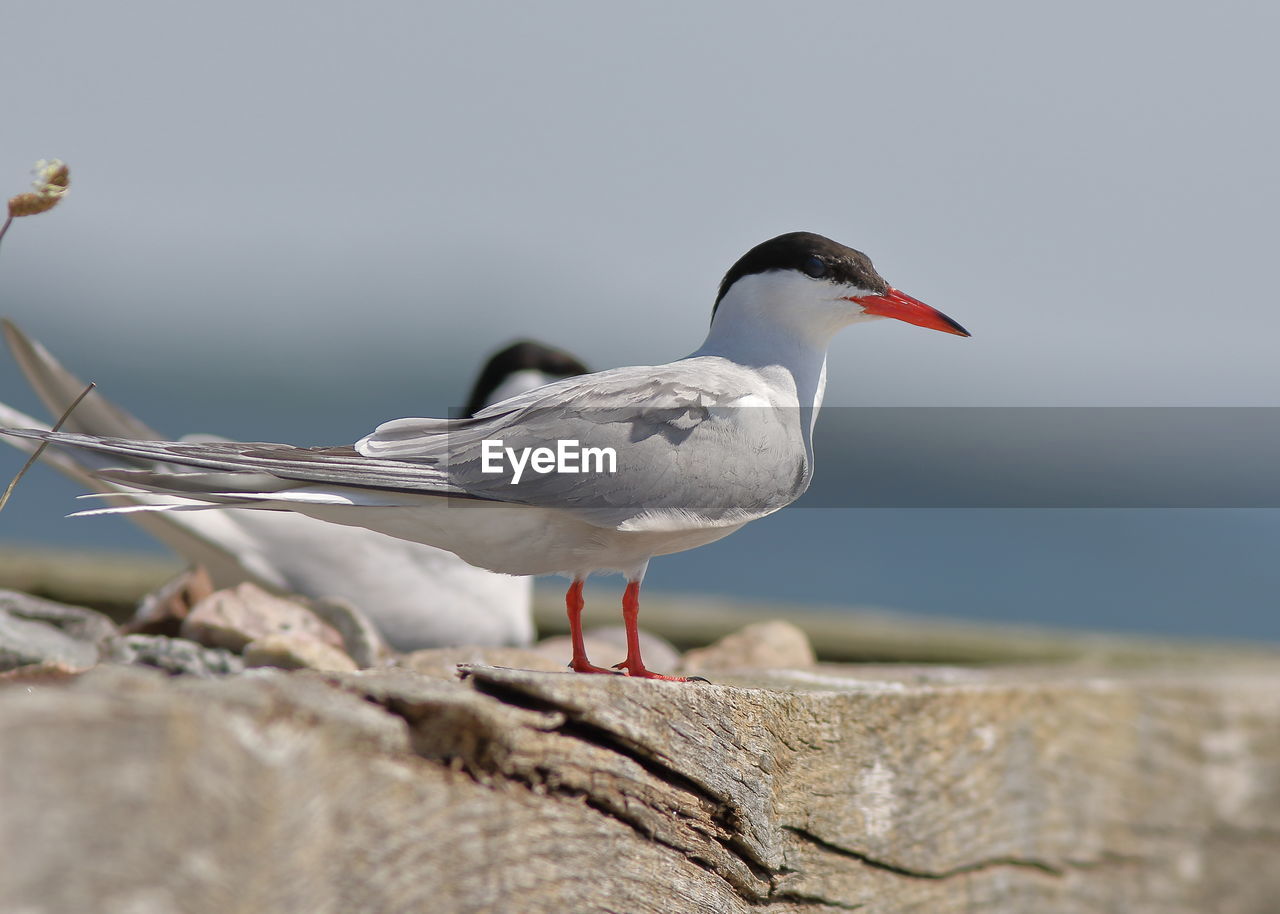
703 445
418 596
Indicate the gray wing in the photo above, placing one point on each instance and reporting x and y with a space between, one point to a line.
702 436
700 440
232 466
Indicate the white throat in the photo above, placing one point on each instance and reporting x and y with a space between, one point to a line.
782 322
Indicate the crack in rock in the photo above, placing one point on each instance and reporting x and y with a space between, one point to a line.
504 728
817 901
1025 863
498 734
715 820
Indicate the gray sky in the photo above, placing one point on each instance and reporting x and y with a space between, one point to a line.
388 188
294 221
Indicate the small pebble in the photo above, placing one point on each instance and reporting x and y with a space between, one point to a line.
161 612
176 656
36 631
234 617
763 646
297 654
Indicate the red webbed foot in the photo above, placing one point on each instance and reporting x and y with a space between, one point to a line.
637 670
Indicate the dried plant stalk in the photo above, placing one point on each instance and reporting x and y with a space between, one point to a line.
53 178
35 455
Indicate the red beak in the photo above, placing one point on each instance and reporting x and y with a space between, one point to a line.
905 308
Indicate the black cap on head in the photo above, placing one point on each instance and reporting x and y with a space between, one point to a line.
813 255
522 355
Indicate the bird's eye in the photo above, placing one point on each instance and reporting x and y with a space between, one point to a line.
815 266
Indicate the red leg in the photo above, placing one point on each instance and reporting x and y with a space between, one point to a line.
630 618
573 602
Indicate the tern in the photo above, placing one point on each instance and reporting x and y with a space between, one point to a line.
417 596
702 445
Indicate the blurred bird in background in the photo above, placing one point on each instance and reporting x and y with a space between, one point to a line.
417 595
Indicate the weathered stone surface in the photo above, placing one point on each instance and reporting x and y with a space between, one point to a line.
774 645
39 673
24 642
360 637
176 656
822 790
36 631
443 662
232 618
296 654
75 621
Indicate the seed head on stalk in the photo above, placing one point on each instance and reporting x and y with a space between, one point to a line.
53 178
